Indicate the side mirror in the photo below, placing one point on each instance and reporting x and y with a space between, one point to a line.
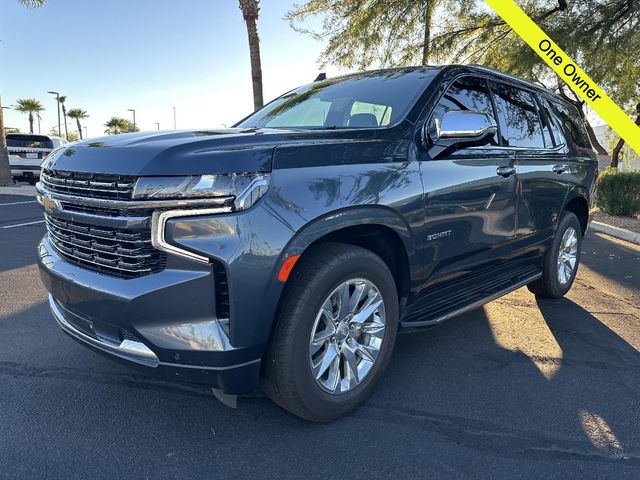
462 128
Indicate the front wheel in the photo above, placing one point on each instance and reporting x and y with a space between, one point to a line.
334 334
561 261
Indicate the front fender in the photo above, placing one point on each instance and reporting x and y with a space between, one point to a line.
350 217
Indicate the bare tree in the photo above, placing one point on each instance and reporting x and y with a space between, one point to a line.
250 12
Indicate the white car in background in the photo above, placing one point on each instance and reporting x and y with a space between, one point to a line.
27 151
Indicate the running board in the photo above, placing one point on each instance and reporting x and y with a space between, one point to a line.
471 306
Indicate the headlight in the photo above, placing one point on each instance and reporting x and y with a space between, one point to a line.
245 188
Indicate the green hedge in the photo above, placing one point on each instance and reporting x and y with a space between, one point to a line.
619 192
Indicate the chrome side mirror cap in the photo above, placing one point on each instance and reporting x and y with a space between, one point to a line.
465 125
457 129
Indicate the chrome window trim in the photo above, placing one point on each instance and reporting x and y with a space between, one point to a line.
158 227
132 204
558 149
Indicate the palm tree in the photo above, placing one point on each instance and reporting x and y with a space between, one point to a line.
114 125
63 98
30 106
78 114
250 12
117 125
32 3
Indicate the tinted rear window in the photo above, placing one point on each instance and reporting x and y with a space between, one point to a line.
571 123
367 100
520 117
29 141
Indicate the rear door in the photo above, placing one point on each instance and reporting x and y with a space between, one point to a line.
541 154
470 195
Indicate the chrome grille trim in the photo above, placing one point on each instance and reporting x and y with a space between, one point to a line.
89 184
158 230
132 204
91 225
112 251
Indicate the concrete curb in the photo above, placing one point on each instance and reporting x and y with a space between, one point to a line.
619 233
25 190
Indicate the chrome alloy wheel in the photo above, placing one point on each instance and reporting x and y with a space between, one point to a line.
347 336
567 256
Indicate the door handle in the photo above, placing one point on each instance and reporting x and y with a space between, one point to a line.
506 171
560 169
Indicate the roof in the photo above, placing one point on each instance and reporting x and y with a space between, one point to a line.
472 67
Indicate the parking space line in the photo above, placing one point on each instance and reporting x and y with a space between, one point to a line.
16 203
22 224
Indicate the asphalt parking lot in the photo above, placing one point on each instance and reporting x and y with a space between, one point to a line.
521 388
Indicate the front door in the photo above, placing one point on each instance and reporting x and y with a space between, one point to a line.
470 195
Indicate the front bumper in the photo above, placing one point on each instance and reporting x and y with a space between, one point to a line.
163 323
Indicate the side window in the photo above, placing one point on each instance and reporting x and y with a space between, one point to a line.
571 123
466 93
381 112
519 115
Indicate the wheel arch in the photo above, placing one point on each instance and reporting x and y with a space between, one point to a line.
376 228
578 204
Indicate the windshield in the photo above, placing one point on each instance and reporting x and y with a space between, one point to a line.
29 141
367 100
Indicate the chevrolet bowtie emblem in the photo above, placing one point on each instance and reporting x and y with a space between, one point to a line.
50 205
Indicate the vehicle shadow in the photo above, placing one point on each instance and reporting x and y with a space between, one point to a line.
520 401
453 395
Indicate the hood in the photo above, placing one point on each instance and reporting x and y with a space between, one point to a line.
193 152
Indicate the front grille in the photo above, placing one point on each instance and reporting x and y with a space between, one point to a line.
106 211
123 253
91 185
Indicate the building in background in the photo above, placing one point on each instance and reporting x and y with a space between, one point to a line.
629 159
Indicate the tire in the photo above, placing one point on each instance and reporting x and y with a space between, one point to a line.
287 376
553 284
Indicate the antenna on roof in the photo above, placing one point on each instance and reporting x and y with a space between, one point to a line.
321 76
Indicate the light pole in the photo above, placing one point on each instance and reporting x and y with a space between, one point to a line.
39 118
134 117
157 125
174 117
58 100
85 132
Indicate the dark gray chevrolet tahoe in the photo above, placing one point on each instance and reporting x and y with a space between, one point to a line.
288 251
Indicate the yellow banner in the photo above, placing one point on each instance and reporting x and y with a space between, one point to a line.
567 69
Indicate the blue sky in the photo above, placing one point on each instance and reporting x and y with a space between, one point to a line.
107 57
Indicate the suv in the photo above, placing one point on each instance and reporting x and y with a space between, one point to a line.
288 251
26 152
